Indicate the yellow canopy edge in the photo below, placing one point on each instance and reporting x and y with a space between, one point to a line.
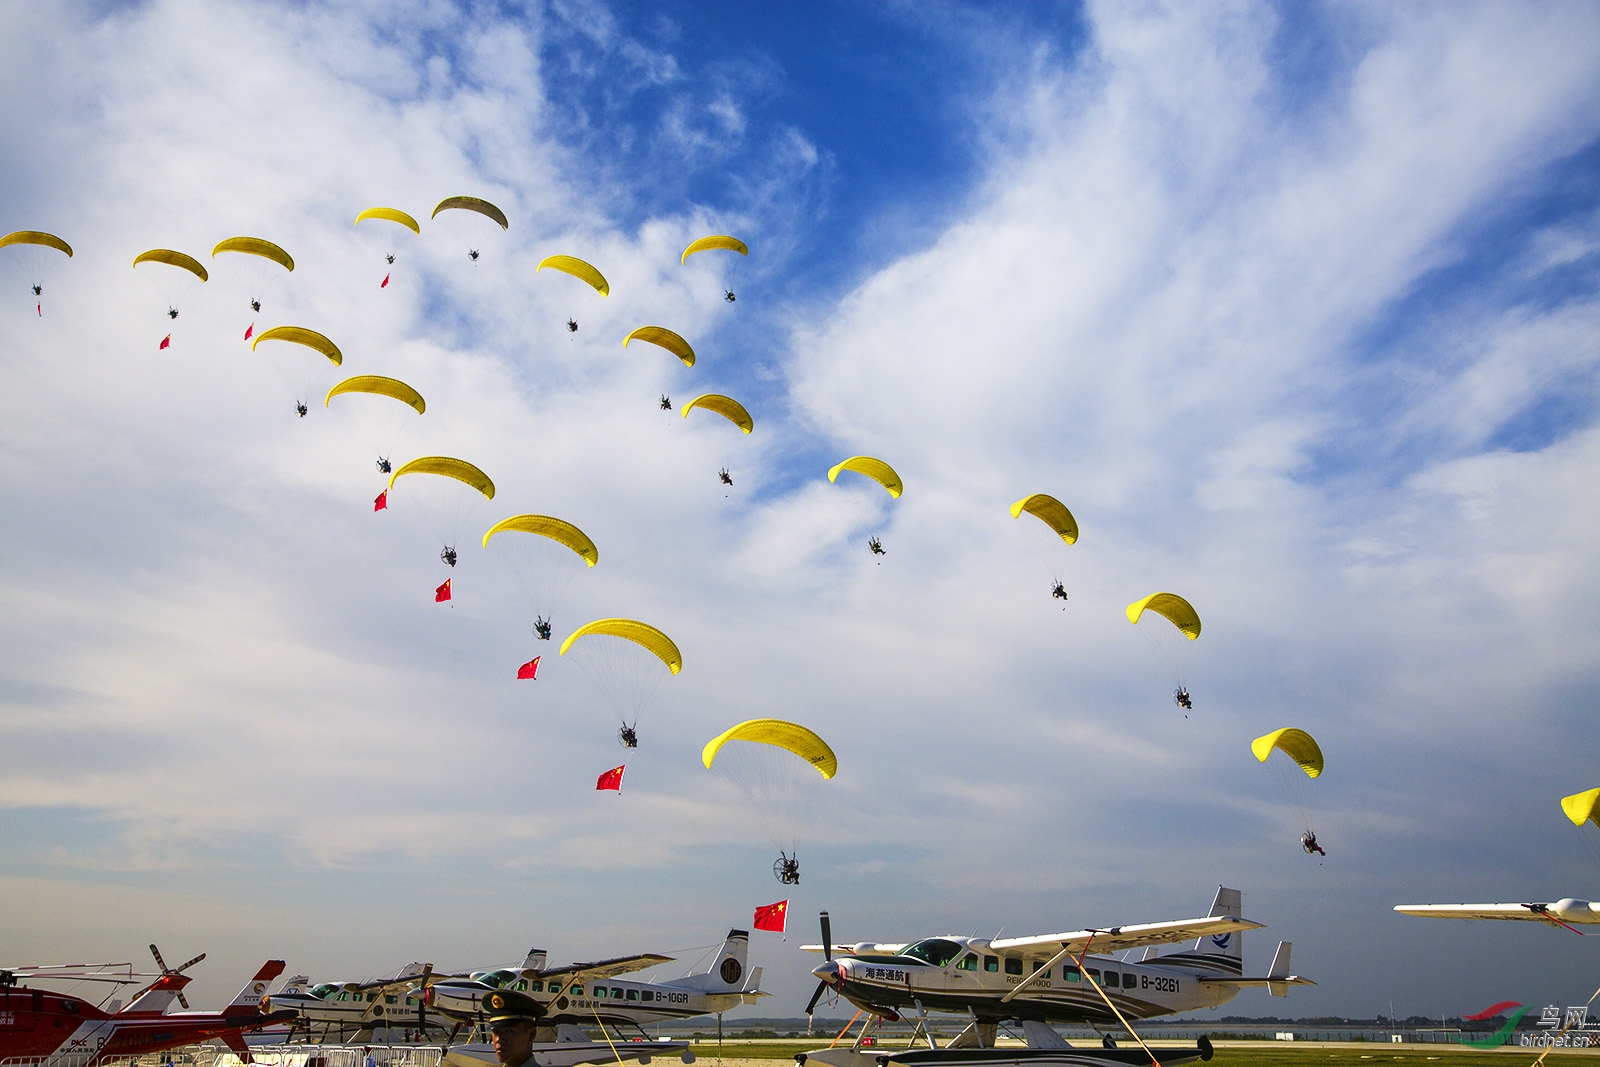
557 530
1170 606
389 214
472 203
1296 744
255 246
36 237
174 259
445 466
578 269
665 338
299 335
1050 511
786 735
726 406
381 386
640 633
1580 806
876 469
723 241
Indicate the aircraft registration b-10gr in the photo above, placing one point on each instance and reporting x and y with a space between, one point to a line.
1052 978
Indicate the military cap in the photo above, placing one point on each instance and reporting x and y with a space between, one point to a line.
508 1006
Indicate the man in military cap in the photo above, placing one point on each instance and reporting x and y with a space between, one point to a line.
511 1025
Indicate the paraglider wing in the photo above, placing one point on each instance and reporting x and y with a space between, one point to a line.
876 469
389 214
380 386
578 269
1580 806
557 530
171 258
1170 606
472 203
1050 511
786 735
301 336
646 636
722 241
255 246
725 406
459 469
37 237
1296 744
660 335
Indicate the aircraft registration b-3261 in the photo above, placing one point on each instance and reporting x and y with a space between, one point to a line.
1052 978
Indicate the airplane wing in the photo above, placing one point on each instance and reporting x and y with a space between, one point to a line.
1569 910
603 968
1117 938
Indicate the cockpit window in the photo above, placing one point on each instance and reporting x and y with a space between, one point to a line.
934 950
321 992
497 979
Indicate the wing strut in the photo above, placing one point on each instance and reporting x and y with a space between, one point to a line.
1088 978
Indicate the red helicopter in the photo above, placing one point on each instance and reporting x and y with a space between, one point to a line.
49 1029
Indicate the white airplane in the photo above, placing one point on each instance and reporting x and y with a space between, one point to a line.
338 1009
1051 978
1562 913
586 993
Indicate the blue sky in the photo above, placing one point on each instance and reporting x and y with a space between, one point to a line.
1294 306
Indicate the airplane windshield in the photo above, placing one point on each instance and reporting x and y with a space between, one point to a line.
496 979
934 950
322 992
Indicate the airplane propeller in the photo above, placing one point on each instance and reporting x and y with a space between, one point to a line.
828 967
167 972
422 1001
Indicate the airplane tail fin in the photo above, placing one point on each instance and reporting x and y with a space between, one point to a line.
248 1002
534 961
727 971
1227 902
1280 969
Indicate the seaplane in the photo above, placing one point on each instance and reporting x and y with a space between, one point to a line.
43 1028
351 1010
1566 913
594 993
1042 980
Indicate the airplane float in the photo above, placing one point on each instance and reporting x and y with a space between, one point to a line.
47 1029
1045 979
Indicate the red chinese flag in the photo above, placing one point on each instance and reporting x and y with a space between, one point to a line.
612 779
385 283
40 309
771 916
167 340
441 594
529 669
382 502
249 331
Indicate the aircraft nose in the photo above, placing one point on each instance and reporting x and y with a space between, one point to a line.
829 972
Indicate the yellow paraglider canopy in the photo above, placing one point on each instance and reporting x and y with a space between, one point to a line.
646 636
876 469
1050 511
726 406
255 246
1170 606
459 469
301 336
472 203
175 259
1296 744
660 335
722 241
1580 806
378 384
37 237
389 214
786 735
578 269
557 530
